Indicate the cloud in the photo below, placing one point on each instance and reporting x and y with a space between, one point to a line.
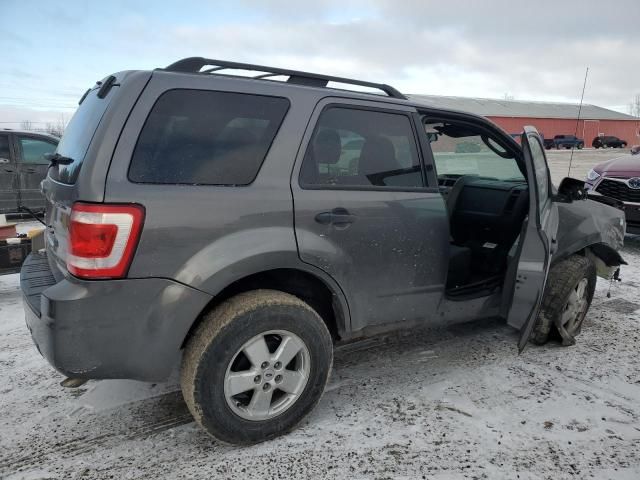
535 51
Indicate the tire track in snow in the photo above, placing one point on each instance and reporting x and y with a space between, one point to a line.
86 444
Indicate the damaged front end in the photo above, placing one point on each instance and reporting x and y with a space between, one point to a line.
595 226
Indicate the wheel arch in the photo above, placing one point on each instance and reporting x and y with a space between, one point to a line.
606 259
322 293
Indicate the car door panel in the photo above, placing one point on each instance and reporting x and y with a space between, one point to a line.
536 245
386 248
388 259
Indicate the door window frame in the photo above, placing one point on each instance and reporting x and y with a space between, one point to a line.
335 102
480 126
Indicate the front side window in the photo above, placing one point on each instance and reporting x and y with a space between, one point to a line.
34 150
362 148
202 137
541 170
461 150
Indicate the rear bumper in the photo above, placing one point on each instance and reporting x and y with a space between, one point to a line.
131 328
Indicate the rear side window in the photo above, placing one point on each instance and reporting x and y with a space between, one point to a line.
201 137
5 153
362 149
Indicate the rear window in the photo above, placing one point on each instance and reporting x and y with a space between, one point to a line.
202 137
77 136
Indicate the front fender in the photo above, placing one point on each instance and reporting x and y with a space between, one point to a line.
585 223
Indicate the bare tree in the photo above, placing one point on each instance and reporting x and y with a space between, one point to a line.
56 129
634 106
26 125
508 96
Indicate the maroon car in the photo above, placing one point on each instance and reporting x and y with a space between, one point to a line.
619 178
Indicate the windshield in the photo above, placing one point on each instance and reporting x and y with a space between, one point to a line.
77 136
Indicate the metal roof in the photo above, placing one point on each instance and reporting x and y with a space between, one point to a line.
29 132
488 107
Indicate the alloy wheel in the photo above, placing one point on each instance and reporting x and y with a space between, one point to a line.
267 375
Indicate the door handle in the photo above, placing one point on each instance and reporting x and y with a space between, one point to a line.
9 170
31 170
337 216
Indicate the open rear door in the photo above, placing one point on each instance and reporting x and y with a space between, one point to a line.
537 243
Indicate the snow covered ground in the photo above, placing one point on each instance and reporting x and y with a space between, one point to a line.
443 404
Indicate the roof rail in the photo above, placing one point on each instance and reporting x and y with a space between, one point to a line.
195 64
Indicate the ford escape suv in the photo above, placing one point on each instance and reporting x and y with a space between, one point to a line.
244 226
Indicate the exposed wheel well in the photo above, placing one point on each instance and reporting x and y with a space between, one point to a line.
303 285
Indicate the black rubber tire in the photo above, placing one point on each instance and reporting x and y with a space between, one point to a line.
580 146
222 333
563 278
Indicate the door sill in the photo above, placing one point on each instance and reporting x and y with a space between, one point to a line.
482 288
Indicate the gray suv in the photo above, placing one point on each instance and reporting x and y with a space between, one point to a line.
244 226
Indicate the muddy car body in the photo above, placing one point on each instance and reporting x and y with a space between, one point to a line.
247 225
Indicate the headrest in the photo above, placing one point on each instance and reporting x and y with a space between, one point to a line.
327 147
378 155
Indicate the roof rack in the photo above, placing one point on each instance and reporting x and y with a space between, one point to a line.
195 64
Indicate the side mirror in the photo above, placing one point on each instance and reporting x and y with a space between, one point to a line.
571 189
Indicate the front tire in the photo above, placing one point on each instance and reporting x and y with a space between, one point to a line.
256 366
567 297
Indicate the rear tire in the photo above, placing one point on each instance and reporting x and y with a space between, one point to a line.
569 279
232 380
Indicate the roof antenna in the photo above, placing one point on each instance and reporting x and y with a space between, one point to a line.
578 120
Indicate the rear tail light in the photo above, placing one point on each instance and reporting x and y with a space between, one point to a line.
102 239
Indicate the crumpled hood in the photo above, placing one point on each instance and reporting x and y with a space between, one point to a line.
625 166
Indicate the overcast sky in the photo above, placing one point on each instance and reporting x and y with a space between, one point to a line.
53 51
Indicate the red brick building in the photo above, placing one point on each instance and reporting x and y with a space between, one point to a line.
550 119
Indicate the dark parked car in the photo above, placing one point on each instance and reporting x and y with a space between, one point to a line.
608 141
549 143
245 226
619 178
567 141
22 167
